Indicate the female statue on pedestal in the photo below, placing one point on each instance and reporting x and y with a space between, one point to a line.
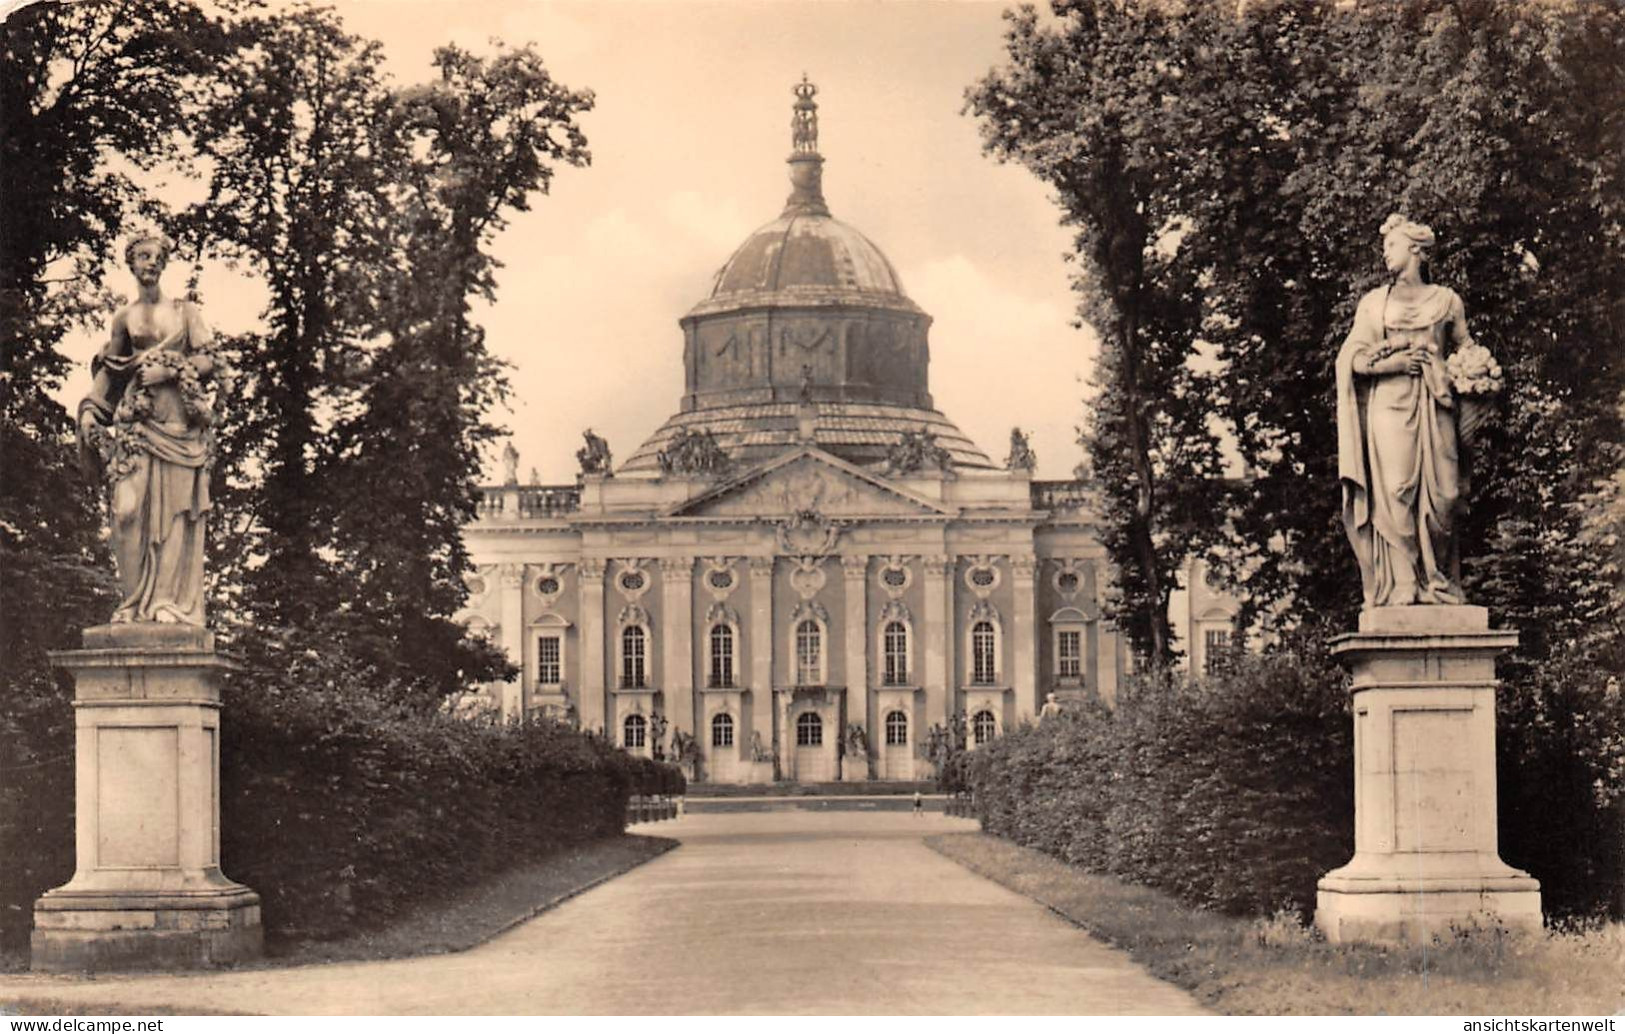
148 425
1396 430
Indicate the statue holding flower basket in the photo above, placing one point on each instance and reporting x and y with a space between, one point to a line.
1412 388
1476 378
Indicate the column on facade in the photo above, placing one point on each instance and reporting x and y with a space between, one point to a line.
938 633
511 580
855 573
761 650
677 677
1023 568
592 697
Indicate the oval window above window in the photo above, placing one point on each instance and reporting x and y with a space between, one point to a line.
896 577
548 585
632 581
1067 582
721 579
982 576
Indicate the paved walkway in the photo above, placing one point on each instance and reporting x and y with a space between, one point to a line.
777 912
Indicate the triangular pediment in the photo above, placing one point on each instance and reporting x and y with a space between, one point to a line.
809 481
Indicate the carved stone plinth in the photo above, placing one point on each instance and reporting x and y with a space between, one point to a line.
147 891
1425 850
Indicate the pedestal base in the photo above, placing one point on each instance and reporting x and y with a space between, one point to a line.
1426 861
1399 907
102 931
147 891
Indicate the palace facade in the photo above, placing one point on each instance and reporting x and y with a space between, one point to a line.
807 568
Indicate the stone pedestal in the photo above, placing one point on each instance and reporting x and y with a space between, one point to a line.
1425 851
147 891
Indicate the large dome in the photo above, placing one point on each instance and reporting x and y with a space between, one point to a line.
806 317
805 257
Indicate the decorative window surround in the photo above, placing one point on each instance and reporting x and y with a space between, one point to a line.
982 576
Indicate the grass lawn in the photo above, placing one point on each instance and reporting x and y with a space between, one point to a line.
481 912
1275 967
455 924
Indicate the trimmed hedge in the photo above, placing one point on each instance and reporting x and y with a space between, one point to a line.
341 809
1233 793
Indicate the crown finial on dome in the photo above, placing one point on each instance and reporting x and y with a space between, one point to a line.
804 122
806 164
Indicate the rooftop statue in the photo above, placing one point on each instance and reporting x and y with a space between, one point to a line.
1407 376
916 451
694 452
147 428
1021 455
594 457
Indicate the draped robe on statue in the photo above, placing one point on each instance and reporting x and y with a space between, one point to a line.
158 476
1397 456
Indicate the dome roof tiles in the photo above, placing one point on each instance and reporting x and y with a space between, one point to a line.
804 258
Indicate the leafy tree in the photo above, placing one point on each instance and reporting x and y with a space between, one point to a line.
297 195
1242 157
471 147
90 98
1086 113
1227 172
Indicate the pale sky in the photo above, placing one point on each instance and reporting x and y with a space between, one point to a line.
688 138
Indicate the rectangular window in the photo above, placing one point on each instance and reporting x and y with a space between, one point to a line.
809 655
982 647
1069 654
895 649
722 657
896 729
1215 649
722 731
633 674
549 667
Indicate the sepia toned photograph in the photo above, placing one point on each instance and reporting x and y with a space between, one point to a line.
740 508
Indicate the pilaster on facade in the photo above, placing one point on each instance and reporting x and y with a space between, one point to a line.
938 633
1023 571
593 691
855 578
677 586
511 583
761 649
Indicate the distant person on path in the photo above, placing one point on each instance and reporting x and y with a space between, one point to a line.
919 804
1051 707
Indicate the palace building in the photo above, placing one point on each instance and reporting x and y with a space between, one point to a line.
807 568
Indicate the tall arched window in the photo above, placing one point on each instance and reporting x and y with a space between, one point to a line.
633 731
983 645
722 657
896 729
809 654
722 731
894 654
809 730
984 726
634 649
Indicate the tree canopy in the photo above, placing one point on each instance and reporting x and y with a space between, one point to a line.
1226 171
